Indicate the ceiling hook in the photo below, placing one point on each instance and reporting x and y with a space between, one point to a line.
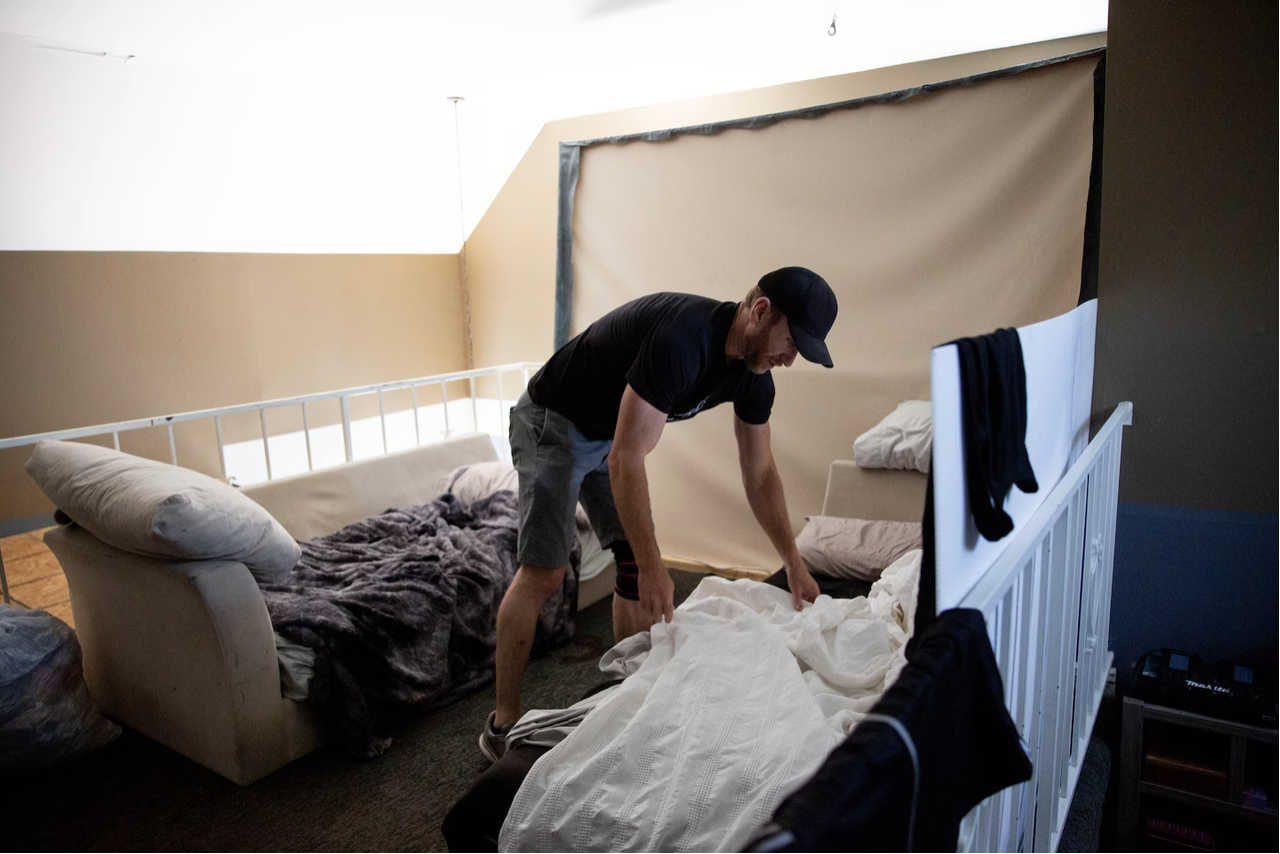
831 30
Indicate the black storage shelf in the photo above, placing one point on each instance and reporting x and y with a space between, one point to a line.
1205 802
1248 747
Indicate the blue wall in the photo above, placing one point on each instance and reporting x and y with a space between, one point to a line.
1204 581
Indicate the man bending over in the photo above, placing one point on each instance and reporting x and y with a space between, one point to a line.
590 416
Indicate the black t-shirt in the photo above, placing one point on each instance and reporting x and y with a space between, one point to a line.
669 348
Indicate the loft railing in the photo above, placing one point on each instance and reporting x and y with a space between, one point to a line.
305 401
1047 604
496 426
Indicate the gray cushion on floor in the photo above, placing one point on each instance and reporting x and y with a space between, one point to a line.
46 713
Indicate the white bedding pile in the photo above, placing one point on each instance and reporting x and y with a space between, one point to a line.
735 704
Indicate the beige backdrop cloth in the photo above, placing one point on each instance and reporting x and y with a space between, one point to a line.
945 215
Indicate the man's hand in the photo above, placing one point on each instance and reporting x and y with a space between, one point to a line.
657 591
803 587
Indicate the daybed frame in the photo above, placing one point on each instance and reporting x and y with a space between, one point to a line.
184 652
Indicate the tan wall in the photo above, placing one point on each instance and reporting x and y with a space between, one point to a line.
95 337
511 253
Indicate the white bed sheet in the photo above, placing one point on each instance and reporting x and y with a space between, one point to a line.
735 704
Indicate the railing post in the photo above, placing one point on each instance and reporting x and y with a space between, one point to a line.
115 437
444 396
417 427
501 408
306 434
382 414
222 455
475 413
266 444
173 448
346 425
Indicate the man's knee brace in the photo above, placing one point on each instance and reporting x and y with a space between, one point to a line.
627 582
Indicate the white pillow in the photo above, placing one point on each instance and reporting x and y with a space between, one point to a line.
903 440
152 508
479 480
855 548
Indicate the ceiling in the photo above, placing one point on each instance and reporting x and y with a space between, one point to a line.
353 94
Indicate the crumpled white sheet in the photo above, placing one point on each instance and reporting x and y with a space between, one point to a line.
729 709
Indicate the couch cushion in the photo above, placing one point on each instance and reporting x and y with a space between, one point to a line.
315 504
153 508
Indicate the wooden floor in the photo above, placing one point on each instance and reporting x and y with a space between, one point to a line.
35 578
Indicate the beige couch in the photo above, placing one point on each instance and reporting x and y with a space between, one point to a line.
184 652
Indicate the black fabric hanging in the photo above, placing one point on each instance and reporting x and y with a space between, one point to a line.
927 592
950 700
993 401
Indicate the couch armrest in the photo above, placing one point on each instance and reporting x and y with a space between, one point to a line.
182 651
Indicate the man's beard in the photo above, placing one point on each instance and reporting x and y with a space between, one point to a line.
753 355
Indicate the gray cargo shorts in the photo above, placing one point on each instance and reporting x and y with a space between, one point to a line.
558 467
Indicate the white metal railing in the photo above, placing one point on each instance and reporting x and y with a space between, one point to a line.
305 401
1047 604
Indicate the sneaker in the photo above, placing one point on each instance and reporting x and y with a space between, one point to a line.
493 741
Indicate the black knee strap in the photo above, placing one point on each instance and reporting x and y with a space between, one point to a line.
627 582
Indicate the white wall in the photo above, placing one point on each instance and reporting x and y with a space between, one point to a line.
100 154
1058 357
306 126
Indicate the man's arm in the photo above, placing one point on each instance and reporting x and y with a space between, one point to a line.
764 494
639 428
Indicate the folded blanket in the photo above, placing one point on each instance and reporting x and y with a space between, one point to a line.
401 610
735 703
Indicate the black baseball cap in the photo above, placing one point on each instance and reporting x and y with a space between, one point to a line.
809 305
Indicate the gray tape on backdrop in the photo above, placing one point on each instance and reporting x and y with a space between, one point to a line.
570 155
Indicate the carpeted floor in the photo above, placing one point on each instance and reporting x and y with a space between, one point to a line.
136 795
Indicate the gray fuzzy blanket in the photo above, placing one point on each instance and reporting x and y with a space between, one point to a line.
401 610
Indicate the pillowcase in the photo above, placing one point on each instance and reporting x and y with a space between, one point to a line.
160 510
480 480
855 548
903 440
